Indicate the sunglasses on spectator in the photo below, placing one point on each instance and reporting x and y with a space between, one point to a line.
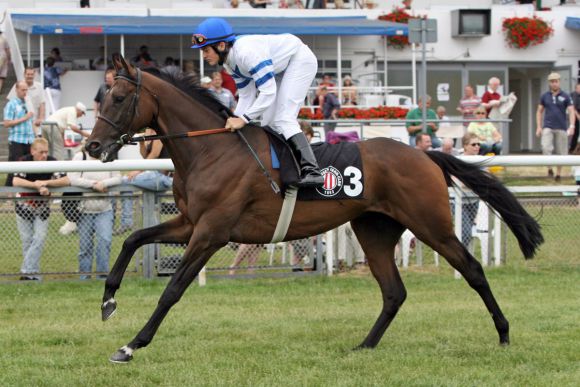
475 144
479 113
199 39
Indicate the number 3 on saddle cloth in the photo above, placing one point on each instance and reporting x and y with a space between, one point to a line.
340 164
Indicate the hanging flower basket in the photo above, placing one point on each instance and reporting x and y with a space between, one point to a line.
398 15
522 32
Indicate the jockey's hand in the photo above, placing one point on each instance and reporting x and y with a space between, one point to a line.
235 123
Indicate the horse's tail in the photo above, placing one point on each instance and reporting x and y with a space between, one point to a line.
492 191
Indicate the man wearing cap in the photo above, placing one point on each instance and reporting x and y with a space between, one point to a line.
554 105
273 74
57 123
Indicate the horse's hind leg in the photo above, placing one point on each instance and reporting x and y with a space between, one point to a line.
378 234
175 230
458 257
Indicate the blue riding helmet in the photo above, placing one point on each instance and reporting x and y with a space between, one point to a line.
211 31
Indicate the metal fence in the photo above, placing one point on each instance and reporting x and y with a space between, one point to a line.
60 252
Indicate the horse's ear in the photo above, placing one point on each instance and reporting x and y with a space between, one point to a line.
120 64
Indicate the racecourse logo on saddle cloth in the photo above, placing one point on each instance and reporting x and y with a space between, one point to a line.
340 164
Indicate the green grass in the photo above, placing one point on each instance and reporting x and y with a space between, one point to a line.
299 332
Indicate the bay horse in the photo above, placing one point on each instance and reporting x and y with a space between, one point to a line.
222 196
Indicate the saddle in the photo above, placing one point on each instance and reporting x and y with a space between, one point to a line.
340 164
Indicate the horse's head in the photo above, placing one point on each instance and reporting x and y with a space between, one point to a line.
124 111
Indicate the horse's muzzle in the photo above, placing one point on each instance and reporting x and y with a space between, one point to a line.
104 153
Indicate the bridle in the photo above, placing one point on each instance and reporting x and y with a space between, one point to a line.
127 138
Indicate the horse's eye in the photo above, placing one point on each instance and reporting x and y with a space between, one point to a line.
118 98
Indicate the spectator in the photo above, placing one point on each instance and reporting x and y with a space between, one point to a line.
306 128
470 203
35 101
32 214
170 66
18 120
554 104
423 142
205 82
315 4
326 81
55 54
491 98
447 146
96 218
228 82
575 95
231 3
57 123
442 116
329 109
100 62
349 96
414 125
487 133
143 59
52 76
103 89
157 181
294 4
85 4
259 3
468 104
250 253
223 95
4 59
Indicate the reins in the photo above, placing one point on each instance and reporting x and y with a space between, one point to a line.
135 140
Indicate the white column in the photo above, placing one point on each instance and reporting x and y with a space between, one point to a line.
386 85
414 72
497 240
330 252
28 59
339 66
458 219
201 65
42 59
122 46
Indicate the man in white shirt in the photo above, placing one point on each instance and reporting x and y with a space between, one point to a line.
35 100
273 74
57 123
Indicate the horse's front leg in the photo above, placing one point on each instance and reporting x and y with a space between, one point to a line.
203 244
176 230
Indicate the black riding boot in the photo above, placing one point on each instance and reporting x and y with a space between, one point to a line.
309 171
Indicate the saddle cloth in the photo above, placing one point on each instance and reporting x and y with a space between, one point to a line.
340 164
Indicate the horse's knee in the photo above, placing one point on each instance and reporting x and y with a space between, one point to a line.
393 301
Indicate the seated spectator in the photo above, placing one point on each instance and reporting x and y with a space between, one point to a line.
223 95
96 218
307 130
157 181
349 96
170 66
486 132
32 214
57 123
423 142
143 59
100 62
205 82
329 109
231 3
259 3
447 146
415 126
293 4
228 82
442 115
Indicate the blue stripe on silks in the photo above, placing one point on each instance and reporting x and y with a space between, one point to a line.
274 156
264 79
243 84
261 65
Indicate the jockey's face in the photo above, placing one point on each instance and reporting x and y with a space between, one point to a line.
209 54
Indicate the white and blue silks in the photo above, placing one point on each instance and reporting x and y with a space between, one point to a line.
273 74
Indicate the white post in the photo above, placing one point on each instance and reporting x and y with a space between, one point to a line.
458 220
181 51
497 240
122 49
386 85
28 59
414 72
339 66
202 278
201 69
42 59
329 252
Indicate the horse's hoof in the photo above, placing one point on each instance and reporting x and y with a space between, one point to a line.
108 309
360 347
123 356
504 339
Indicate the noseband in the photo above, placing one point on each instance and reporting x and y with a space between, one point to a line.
126 138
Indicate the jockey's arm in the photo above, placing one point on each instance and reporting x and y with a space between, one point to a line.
262 71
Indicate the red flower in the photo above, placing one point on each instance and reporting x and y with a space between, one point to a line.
522 32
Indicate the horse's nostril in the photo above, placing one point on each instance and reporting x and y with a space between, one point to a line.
93 146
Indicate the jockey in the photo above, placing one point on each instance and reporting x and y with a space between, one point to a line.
273 74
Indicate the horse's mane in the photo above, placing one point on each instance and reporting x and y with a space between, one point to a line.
189 84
